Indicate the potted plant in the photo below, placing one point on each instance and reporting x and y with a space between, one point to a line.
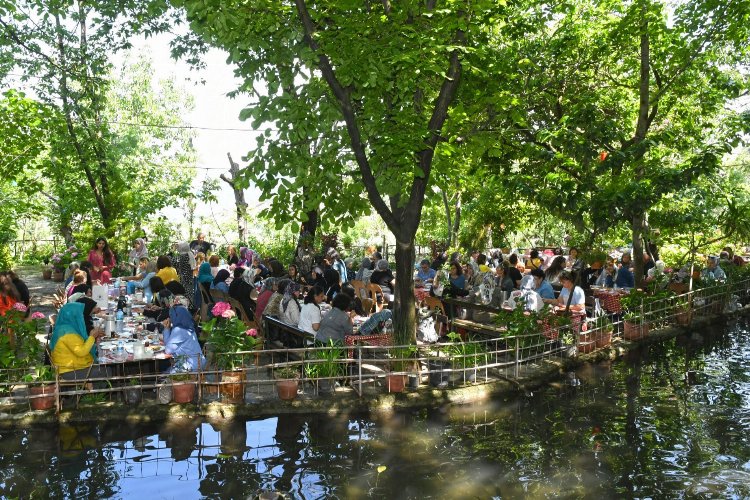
602 330
46 271
287 382
42 389
20 350
683 311
326 366
61 260
230 340
183 387
634 326
396 379
466 357
133 394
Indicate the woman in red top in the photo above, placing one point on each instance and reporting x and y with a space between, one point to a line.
8 294
102 261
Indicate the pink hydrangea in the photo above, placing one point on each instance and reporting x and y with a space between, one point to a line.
37 315
228 314
20 306
74 254
252 332
220 308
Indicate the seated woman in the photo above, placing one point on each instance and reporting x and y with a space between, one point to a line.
607 276
232 258
503 281
290 308
534 262
542 286
309 316
240 290
425 274
8 294
203 281
220 281
165 271
214 262
338 322
294 275
317 278
142 279
89 309
578 301
181 341
356 304
625 278
383 276
555 269
365 271
333 281
79 278
79 291
269 287
73 349
273 308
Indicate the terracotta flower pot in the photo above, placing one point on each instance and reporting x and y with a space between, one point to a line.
683 317
634 331
183 392
395 383
603 339
46 399
232 389
58 276
287 389
47 274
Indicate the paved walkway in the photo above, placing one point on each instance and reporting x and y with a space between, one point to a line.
41 290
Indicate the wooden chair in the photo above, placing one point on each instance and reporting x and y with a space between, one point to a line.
360 289
374 291
206 300
434 303
368 305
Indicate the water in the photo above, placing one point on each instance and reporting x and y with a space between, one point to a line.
669 422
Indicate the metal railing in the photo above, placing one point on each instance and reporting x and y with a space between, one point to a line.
369 369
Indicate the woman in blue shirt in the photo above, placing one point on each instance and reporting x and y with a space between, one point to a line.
220 281
181 341
425 273
543 287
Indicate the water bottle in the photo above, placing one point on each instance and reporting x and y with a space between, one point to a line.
149 296
117 284
119 323
120 350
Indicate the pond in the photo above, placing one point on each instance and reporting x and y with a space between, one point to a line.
671 420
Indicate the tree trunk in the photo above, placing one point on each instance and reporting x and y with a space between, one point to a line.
638 249
239 197
404 315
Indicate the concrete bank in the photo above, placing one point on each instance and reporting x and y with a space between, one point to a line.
372 401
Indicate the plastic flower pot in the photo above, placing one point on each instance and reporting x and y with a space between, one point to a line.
603 339
287 389
683 317
47 274
58 276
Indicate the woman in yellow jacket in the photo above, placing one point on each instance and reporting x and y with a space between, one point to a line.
73 348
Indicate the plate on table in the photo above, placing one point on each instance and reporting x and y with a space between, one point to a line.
155 348
108 346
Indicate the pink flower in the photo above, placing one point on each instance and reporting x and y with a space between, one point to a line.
74 254
252 332
220 307
37 315
20 306
228 314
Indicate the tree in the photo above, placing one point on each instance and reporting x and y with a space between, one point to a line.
614 105
63 49
370 84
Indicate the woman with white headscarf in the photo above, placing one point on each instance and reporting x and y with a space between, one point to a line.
185 268
139 251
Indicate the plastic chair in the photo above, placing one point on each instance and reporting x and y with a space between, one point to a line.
374 291
434 303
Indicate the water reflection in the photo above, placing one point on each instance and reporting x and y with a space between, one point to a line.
670 420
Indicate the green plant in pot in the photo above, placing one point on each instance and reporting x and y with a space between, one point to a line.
132 392
683 310
287 382
183 383
522 328
634 326
602 329
401 360
325 364
41 385
466 356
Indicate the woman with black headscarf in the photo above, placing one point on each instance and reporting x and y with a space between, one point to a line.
220 281
240 290
89 309
333 286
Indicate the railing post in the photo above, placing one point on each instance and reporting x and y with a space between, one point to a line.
359 368
518 361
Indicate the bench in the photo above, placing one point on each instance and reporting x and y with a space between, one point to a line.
289 336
